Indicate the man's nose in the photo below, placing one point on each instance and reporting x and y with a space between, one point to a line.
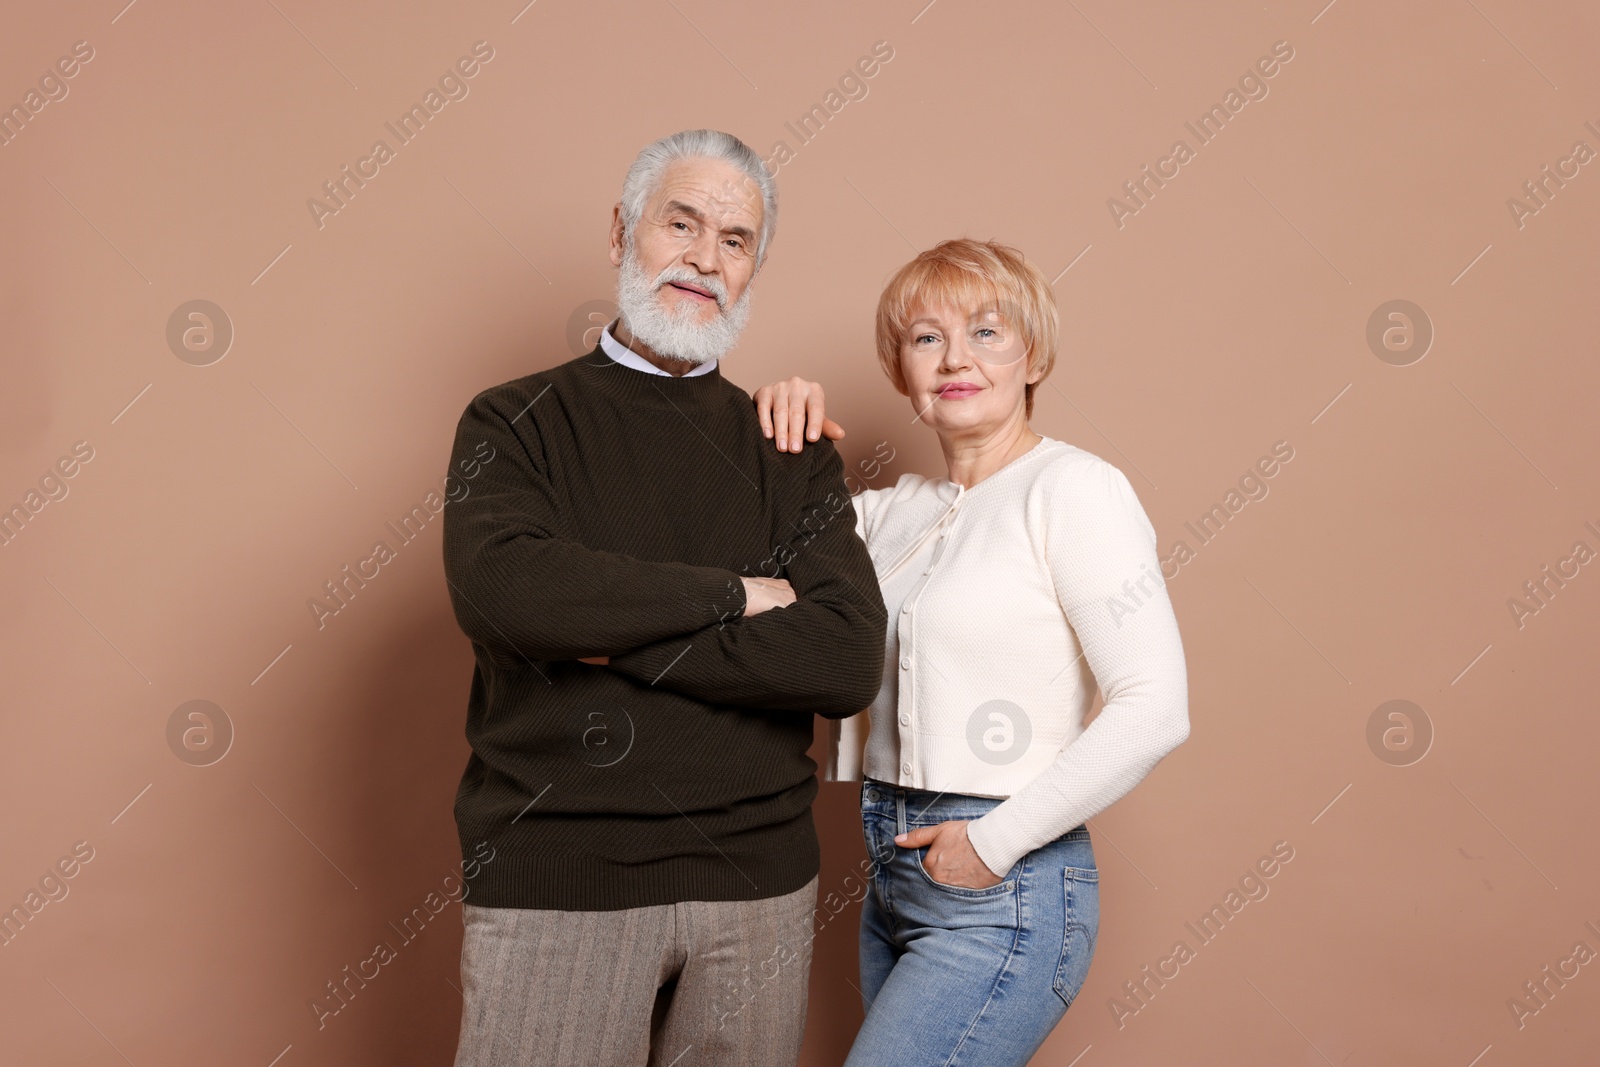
704 253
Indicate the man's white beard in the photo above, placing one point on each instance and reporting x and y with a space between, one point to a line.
676 333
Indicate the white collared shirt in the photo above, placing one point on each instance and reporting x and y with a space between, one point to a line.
629 358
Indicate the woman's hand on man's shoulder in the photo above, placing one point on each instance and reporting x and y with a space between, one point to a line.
792 412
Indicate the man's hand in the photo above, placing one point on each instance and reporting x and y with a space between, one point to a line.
951 859
760 594
794 408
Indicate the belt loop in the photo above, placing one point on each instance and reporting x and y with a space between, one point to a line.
900 811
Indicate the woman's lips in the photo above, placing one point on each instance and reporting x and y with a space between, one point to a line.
959 391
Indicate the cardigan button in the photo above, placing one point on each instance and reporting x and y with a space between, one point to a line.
905 768
905 720
906 662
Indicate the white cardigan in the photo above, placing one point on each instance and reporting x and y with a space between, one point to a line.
1007 603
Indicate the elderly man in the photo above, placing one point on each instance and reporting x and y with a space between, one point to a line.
659 603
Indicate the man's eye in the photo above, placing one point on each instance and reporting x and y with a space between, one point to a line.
685 225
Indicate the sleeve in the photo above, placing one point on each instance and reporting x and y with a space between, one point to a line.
822 654
847 737
521 585
1099 545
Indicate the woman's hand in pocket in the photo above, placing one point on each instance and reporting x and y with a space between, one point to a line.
794 410
951 859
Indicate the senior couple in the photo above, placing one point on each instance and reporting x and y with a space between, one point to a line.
664 589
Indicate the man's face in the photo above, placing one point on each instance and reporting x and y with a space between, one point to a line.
699 229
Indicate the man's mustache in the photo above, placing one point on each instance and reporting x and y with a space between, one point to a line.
712 285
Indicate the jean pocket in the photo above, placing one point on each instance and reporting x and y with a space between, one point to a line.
1082 888
999 889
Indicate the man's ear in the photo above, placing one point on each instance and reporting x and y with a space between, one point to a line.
616 234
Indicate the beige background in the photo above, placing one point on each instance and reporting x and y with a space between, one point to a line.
1228 314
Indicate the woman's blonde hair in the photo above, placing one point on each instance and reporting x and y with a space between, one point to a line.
968 274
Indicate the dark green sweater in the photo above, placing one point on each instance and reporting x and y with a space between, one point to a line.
615 517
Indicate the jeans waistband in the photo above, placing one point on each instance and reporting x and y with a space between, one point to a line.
922 807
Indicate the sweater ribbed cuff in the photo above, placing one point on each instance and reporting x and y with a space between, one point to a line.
998 840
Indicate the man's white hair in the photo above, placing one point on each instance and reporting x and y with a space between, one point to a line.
653 160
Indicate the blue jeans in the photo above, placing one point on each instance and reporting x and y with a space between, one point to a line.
951 975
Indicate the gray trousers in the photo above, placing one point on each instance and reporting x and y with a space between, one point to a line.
693 984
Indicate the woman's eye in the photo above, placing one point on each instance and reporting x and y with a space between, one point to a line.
925 337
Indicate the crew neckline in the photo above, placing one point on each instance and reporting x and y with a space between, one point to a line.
1038 447
598 367
625 355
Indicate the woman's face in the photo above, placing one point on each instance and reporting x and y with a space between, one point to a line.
965 369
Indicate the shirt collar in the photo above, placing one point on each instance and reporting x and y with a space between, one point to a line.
626 356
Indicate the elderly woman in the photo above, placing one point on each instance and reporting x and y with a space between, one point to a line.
1015 586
